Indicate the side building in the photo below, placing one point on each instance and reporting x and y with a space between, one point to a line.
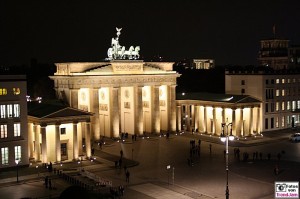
278 91
13 121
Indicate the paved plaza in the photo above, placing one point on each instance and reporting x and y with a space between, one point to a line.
147 159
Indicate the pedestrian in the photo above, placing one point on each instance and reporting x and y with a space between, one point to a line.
93 151
278 156
127 176
209 148
50 184
101 145
46 181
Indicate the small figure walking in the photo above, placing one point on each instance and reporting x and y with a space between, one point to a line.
46 181
127 176
50 184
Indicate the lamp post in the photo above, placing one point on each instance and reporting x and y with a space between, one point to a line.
17 163
224 138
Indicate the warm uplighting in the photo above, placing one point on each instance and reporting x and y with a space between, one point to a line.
17 163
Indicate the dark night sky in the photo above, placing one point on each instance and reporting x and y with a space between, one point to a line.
66 31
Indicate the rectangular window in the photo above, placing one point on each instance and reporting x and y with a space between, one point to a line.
277 122
243 82
277 106
277 92
277 81
62 131
298 104
16 110
288 105
288 81
282 121
272 81
283 92
283 81
266 123
3 91
3 129
282 106
272 107
267 81
272 123
243 91
288 119
4 155
17 129
267 107
293 105
9 110
18 153
3 111
16 91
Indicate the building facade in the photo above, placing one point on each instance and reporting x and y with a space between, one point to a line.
278 91
274 53
126 96
13 121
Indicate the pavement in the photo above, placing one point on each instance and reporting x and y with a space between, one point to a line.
31 179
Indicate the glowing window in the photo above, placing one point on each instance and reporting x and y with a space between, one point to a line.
17 129
282 121
3 131
277 106
277 122
16 110
277 81
282 106
283 92
3 111
16 91
4 155
288 105
282 81
9 110
277 92
18 153
3 91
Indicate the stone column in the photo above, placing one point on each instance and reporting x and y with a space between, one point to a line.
188 118
94 101
178 118
215 121
258 122
223 115
196 117
241 132
74 98
57 143
233 122
44 143
251 121
75 142
138 111
30 141
193 117
205 120
155 110
37 151
115 117
172 110
88 139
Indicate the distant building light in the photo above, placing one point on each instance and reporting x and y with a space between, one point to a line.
183 93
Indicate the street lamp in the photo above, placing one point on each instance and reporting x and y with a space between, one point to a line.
17 163
224 138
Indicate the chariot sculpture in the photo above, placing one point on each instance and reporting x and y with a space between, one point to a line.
116 51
